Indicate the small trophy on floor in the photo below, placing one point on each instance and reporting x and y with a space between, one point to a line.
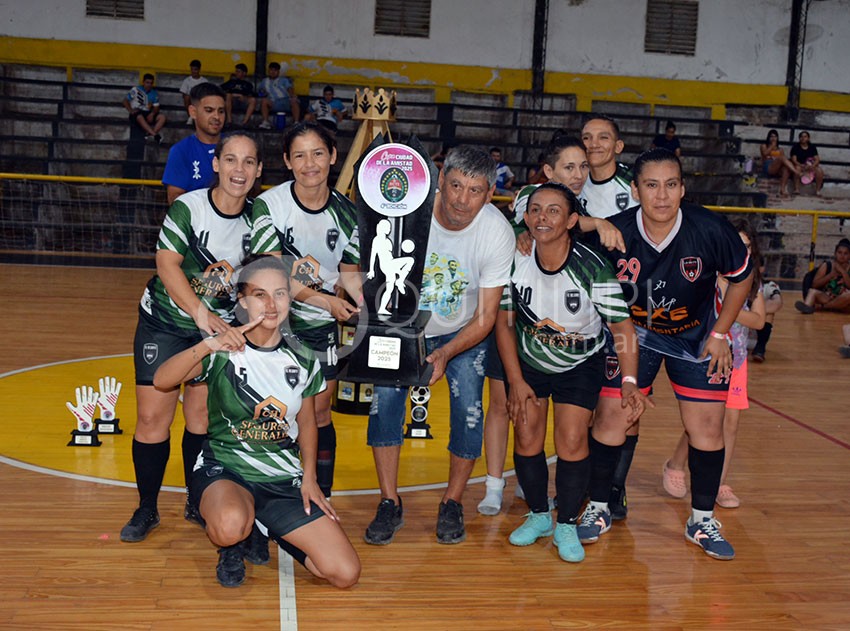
108 423
418 427
86 433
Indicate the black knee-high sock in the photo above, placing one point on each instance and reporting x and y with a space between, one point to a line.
149 460
191 446
762 337
532 474
603 461
706 468
571 480
325 458
625 462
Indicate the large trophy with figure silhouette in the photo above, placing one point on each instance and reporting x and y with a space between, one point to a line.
395 188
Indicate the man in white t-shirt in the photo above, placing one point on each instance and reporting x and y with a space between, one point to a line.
190 82
469 254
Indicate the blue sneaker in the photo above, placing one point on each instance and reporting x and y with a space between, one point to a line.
569 547
536 525
706 534
594 522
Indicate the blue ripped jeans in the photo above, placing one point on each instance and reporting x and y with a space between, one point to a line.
465 375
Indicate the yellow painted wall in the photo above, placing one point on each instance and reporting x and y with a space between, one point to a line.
443 79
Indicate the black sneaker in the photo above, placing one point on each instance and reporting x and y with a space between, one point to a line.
192 513
141 523
617 503
230 570
450 523
256 547
388 519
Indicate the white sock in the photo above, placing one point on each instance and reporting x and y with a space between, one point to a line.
698 516
494 484
599 506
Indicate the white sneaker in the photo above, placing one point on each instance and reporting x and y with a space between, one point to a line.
265 125
492 502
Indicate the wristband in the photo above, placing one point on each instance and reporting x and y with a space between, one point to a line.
629 379
718 336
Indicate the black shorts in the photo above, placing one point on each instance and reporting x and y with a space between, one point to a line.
277 505
494 369
154 343
324 342
578 386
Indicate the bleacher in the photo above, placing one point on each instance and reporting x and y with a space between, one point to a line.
55 126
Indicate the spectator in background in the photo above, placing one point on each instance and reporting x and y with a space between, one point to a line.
277 95
536 175
190 161
142 102
239 96
831 284
772 304
805 157
190 82
504 175
328 110
668 140
775 163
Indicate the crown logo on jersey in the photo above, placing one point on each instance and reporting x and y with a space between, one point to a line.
691 267
376 106
270 409
665 303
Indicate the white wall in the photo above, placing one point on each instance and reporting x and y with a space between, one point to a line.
494 33
826 64
217 24
738 41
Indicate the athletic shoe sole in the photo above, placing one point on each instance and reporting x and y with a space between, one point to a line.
383 542
713 555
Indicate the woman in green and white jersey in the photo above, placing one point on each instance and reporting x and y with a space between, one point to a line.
259 460
203 239
550 334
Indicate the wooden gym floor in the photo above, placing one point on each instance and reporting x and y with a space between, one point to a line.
62 565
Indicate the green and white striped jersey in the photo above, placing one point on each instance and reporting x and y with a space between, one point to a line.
316 241
559 315
212 246
254 398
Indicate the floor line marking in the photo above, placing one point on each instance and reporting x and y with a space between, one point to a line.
805 426
286 588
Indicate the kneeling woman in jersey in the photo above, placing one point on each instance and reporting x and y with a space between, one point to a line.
261 404
550 337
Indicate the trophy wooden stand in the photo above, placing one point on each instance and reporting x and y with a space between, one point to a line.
375 110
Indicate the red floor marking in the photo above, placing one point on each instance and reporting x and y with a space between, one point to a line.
814 430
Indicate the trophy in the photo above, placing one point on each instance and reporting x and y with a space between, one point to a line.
86 433
108 423
395 188
418 428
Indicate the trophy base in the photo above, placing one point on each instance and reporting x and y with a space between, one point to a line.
84 439
352 398
390 354
418 430
108 427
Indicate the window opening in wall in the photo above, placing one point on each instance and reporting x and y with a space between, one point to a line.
119 9
405 18
671 27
